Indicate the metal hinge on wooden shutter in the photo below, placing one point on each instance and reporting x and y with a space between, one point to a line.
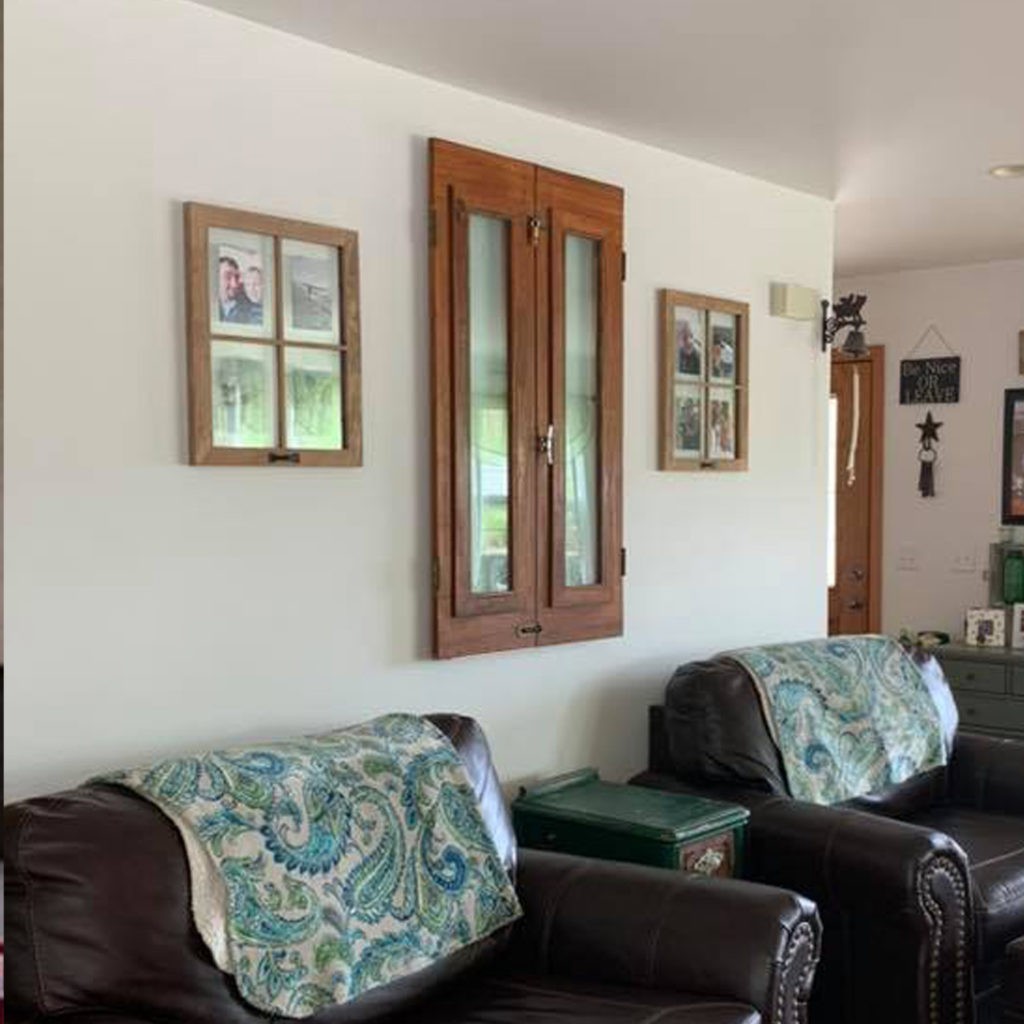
623 266
622 567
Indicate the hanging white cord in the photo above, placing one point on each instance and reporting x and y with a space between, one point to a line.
851 459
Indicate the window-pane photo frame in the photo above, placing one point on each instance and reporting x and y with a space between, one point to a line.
273 340
702 382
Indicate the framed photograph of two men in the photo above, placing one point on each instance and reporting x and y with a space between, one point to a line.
273 340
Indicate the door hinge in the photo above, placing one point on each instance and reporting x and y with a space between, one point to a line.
622 567
534 225
432 226
532 629
435 575
623 266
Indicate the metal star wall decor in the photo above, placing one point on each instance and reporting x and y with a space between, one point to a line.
927 455
929 429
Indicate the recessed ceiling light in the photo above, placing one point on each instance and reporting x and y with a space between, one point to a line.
1008 171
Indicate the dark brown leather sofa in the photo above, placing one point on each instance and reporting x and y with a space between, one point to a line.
99 932
920 888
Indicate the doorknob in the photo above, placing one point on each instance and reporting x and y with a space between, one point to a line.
857 574
856 606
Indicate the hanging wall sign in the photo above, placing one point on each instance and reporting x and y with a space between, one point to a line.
930 381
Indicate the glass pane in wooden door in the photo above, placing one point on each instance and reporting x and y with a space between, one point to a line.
582 413
488 272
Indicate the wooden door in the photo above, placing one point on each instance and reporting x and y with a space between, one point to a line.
855 482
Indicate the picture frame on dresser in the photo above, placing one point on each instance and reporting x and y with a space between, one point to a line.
985 627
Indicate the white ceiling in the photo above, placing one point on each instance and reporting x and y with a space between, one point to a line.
896 108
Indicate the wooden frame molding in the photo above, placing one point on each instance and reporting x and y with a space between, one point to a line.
202 335
877 356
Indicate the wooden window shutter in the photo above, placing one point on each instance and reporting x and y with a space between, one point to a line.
526 310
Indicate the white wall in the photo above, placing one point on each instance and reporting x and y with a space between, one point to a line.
155 607
979 309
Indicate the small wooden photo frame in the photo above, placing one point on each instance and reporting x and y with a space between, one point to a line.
273 340
703 382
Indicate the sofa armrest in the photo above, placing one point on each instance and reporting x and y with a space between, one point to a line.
649 927
987 773
896 897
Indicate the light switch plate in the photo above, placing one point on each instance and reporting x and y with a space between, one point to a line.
964 562
908 559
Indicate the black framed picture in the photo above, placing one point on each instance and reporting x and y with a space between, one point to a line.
1013 457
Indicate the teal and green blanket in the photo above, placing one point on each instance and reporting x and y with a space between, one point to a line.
326 866
849 715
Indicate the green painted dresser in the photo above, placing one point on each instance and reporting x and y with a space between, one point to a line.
578 813
988 683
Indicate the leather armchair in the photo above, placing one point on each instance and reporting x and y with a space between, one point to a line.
920 888
99 932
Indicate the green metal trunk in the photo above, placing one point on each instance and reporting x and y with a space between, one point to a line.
578 813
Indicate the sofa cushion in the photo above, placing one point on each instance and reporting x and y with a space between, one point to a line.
994 845
542 999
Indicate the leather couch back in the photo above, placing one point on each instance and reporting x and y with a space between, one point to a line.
97 909
715 733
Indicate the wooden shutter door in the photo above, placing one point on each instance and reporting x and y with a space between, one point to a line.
579 395
483 354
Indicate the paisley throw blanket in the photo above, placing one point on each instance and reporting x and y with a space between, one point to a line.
329 865
849 715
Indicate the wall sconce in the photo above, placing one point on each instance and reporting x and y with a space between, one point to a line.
845 313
